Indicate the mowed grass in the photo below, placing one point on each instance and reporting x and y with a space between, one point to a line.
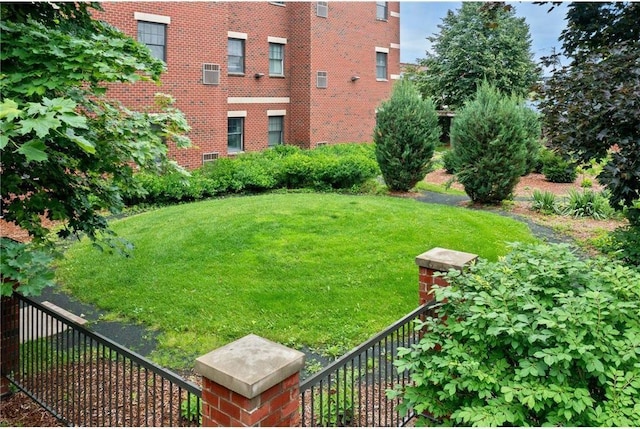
314 270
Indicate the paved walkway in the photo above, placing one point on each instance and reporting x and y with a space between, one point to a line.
134 337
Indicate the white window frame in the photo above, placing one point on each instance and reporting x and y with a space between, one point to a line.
241 133
385 8
243 56
269 131
322 79
153 45
274 61
322 9
385 52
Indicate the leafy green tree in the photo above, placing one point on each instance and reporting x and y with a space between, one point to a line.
489 140
590 106
68 150
405 136
480 41
539 338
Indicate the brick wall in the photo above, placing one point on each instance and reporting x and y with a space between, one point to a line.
343 45
275 407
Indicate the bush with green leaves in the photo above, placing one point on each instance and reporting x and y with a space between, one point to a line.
589 204
540 337
405 136
579 204
191 409
344 166
335 405
171 188
489 139
545 202
558 169
623 244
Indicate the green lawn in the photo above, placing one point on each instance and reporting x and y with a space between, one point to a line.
316 270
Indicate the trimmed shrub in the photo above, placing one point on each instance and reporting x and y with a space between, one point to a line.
345 166
405 136
557 169
222 174
171 188
539 338
296 171
489 140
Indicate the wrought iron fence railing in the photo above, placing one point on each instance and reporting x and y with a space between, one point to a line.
84 379
352 390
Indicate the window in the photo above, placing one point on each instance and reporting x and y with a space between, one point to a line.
235 131
381 65
381 10
235 51
276 59
277 3
153 35
321 79
276 127
322 9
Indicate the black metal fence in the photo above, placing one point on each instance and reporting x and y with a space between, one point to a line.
351 391
84 379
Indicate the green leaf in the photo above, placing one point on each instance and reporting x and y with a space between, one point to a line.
84 144
4 141
33 150
73 120
9 109
41 125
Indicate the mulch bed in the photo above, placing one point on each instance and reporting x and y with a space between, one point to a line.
97 393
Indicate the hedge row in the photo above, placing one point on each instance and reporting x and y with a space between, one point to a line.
344 166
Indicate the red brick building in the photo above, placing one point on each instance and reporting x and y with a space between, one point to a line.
253 74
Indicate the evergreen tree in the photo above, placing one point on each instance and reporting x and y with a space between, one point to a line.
405 136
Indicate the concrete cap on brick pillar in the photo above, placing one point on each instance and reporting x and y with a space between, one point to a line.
439 259
250 365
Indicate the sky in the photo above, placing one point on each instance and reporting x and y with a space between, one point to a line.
418 20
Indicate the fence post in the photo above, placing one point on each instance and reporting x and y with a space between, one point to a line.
438 260
251 382
9 339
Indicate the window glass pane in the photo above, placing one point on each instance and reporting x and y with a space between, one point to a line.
381 65
234 134
235 60
275 51
381 10
276 57
275 130
153 35
235 47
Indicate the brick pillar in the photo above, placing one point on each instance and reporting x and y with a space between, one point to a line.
438 260
251 382
9 340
